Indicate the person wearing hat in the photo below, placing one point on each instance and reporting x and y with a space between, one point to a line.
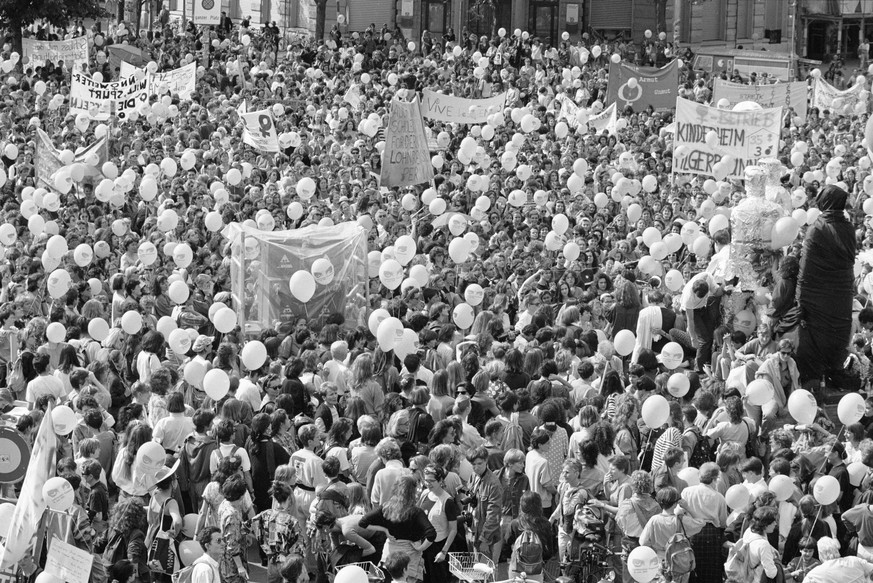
165 522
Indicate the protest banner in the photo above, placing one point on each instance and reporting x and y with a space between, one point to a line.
48 160
73 52
406 158
568 109
206 12
451 109
655 87
100 100
31 503
259 130
767 96
178 81
846 102
605 120
743 136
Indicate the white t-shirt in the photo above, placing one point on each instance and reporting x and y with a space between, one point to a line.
250 393
536 467
44 385
226 449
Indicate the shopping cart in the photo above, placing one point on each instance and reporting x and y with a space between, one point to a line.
471 567
374 573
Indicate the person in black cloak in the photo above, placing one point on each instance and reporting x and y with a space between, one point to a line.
825 289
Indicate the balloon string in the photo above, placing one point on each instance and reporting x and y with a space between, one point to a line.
840 432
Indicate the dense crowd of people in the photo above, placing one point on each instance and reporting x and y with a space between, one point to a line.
543 435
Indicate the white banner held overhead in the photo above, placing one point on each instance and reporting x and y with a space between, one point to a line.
451 109
846 102
73 52
100 100
605 120
791 95
745 136
259 131
179 81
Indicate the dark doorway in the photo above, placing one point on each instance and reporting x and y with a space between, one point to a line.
816 43
543 21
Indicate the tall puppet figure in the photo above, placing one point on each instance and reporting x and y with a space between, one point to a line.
825 288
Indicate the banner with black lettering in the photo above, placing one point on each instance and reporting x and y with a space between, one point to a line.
740 137
452 109
406 159
73 52
100 100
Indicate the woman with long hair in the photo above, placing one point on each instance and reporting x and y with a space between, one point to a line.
627 304
530 518
125 537
442 399
68 361
384 371
265 456
234 411
336 444
363 384
514 374
611 387
148 361
128 481
408 527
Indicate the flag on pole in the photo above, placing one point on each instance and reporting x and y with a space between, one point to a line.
30 505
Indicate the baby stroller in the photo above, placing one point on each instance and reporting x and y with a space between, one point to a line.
588 561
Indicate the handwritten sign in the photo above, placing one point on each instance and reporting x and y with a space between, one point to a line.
178 81
847 102
655 87
451 109
744 136
73 52
605 120
100 100
406 158
68 563
791 95
260 131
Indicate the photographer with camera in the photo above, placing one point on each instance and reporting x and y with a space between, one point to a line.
485 503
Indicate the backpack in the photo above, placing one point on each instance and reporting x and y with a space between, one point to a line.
513 436
753 446
702 452
679 556
738 567
527 554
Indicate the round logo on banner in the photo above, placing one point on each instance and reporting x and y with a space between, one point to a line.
208 4
14 455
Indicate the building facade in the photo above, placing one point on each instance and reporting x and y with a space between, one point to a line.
731 24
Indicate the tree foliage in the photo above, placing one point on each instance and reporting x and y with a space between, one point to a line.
17 13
